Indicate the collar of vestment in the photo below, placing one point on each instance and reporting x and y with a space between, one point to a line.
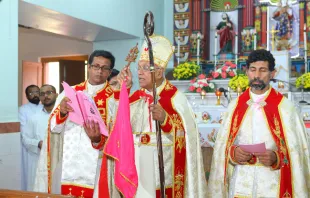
271 112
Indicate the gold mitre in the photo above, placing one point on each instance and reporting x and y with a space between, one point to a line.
162 50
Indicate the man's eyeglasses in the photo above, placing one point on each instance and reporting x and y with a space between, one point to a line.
33 93
103 68
48 93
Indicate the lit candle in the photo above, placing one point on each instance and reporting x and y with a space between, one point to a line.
236 47
179 38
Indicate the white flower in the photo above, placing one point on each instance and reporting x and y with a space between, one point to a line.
211 85
219 70
196 84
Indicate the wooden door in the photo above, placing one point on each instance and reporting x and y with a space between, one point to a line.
32 75
72 72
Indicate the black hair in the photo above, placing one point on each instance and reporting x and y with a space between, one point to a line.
30 86
261 55
114 73
47 85
104 54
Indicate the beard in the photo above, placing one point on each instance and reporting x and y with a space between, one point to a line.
34 100
260 86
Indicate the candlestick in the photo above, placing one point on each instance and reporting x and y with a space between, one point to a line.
179 38
198 46
306 48
236 48
255 39
215 50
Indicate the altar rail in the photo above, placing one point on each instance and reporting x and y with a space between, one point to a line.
4 193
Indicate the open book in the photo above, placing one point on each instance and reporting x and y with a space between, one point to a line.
84 108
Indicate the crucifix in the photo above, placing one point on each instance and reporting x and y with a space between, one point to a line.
133 54
273 32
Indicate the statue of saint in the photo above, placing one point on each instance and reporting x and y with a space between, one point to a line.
226 33
284 26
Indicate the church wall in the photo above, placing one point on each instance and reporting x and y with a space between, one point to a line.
122 15
34 44
9 143
120 48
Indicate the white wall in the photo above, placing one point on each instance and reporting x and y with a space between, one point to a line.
9 143
10 161
34 44
121 15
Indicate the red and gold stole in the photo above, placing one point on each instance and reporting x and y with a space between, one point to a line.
274 120
179 148
101 100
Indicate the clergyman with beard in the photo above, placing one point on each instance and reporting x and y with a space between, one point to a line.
25 112
261 115
35 131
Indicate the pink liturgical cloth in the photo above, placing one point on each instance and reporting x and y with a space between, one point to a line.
120 146
84 108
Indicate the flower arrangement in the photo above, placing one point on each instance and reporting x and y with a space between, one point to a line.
201 83
303 80
227 70
186 71
240 80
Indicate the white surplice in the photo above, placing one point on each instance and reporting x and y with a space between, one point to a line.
74 153
146 158
34 132
258 181
25 112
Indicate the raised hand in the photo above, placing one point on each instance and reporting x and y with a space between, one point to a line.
125 74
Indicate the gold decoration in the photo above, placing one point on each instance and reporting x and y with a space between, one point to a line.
100 102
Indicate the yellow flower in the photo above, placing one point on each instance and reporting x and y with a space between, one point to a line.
186 70
240 80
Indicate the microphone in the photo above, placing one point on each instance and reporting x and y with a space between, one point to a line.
221 89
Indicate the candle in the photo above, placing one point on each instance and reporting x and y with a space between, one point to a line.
305 38
255 39
305 48
198 46
215 50
179 38
236 48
